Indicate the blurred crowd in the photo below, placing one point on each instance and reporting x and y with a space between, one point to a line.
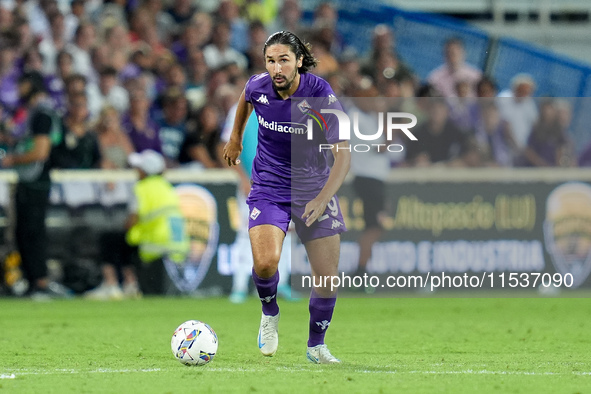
126 76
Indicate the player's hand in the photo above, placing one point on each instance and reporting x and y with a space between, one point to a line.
232 151
313 210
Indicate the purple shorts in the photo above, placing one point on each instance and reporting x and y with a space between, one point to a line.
265 211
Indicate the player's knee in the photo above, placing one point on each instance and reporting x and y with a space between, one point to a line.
265 266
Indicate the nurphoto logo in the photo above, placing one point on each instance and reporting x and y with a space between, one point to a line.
392 123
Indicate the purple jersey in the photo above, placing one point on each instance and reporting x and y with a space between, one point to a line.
287 166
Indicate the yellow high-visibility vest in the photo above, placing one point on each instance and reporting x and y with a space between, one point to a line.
160 230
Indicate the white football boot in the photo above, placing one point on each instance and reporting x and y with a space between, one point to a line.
268 335
320 354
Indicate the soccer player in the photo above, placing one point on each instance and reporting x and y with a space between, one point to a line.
302 189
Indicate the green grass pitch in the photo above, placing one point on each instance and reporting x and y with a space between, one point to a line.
410 345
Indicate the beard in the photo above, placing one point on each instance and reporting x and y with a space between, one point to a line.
286 84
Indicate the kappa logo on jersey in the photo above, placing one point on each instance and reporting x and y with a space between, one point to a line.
323 324
255 213
268 299
263 99
336 224
332 98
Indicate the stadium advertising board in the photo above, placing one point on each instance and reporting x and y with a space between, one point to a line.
491 229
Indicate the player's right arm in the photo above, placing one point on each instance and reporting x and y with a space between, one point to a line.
233 148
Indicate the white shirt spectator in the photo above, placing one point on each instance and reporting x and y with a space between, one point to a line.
82 62
214 57
117 97
520 113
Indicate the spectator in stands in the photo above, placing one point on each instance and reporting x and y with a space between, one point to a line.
181 11
486 87
117 39
77 83
164 22
115 146
439 140
463 108
9 72
150 36
226 96
585 157
445 77
37 13
188 40
197 72
201 144
548 145
26 39
229 12
493 137
73 20
32 60
565 116
204 23
139 20
138 125
52 45
176 77
141 59
55 83
518 108
110 92
388 66
6 17
31 160
216 78
350 71
79 148
219 52
327 64
84 40
382 41
326 18
289 18
173 125
257 36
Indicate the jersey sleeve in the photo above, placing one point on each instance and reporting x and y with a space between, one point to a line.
328 100
248 89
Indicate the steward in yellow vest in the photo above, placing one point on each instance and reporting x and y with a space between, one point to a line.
157 226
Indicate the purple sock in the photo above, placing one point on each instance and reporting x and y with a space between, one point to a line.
320 316
267 289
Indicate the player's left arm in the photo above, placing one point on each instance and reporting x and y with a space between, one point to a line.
340 169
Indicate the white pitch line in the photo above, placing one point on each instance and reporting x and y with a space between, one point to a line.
15 373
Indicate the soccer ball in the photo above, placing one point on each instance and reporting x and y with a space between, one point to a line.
194 343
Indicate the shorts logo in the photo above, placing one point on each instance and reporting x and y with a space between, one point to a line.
336 224
255 213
